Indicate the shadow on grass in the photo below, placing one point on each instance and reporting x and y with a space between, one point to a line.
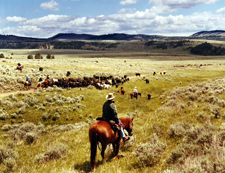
86 167
83 167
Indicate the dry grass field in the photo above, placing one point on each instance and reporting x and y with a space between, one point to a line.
181 129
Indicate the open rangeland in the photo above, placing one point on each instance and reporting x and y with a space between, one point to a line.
180 129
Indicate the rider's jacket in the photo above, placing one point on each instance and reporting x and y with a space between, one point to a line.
110 111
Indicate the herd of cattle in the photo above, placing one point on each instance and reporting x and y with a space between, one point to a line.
100 82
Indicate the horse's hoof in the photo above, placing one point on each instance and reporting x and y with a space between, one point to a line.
121 155
114 158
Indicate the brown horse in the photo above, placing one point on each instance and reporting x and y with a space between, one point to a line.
40 84
49 82
101 131
132 95
19 68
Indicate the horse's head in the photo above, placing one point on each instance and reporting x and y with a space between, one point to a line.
128 125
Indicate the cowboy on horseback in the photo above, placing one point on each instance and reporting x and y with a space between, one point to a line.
28 79
19 67
110 113
48 78
135 92
40 80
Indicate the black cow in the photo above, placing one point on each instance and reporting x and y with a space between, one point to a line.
68 73
96 77
138 74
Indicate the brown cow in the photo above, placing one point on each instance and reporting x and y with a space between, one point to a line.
122 91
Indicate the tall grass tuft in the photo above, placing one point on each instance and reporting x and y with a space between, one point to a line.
8 158
149 153
53 153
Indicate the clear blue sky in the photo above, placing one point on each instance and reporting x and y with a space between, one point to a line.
46 18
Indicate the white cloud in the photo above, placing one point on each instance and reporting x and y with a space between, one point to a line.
128 2
22 31
221 10
127 20
137 22
50 20
51 5
174 4
15 19
126 10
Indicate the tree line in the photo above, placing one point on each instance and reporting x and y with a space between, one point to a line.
58 45
207 49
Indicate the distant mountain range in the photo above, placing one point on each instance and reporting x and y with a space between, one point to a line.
114 36
216 34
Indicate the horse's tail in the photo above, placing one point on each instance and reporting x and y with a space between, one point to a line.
93 140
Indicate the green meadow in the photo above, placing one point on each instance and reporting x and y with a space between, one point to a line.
180 129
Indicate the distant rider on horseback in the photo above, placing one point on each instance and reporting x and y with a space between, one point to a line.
19 67
110 113
28 79
40 80
48 78
135 92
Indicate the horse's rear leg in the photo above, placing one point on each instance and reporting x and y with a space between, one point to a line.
93 140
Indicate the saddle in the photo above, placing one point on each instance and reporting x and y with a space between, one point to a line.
114 126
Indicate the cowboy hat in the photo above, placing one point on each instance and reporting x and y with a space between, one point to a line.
110 96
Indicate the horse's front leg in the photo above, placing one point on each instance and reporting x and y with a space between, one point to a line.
116 147
103 152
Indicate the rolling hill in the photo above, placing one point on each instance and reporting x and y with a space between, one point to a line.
216 34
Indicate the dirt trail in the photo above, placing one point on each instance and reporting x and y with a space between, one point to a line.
16 92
